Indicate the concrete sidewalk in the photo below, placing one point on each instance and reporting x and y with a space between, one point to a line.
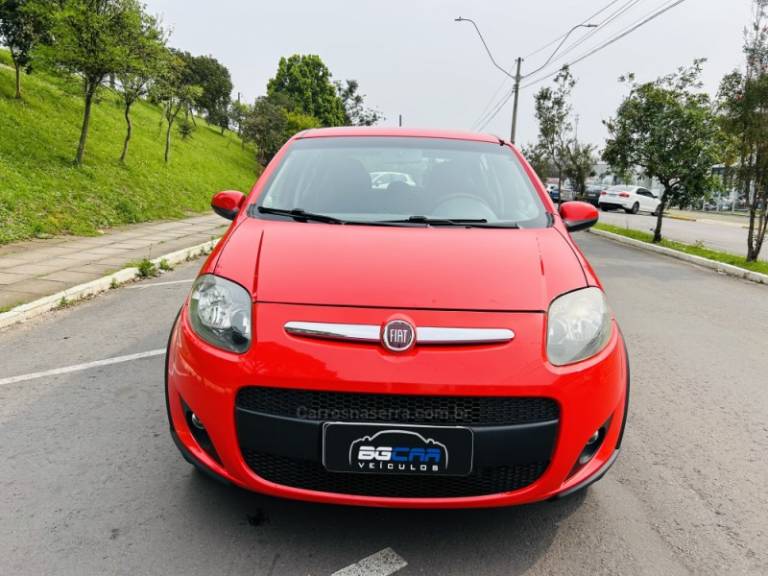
36 268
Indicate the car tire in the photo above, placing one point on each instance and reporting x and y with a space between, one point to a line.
634 210
604 208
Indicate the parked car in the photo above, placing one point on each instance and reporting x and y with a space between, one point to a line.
443 346
632 199
592 194
554 193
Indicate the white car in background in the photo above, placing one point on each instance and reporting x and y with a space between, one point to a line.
632 199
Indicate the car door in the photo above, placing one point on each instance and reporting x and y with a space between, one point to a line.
643 198
650 201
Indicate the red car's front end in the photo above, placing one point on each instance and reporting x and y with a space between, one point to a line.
398 364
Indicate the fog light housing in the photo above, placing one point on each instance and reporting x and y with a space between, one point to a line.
196 421
199 433
593 444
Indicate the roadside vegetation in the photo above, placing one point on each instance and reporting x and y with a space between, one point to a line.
694 249
103 123
671 131
43 193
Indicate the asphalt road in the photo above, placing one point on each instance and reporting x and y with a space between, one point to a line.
91 483
727 235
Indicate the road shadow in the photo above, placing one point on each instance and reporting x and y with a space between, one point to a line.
496 540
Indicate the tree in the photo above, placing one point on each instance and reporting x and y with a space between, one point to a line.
354 105
553 111
579 165
91 40
23 24
537 158
667 129
145 53
268 124
175 94
743 107
238 111
306 81
265 125
216 87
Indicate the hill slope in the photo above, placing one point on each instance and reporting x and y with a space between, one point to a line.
41 192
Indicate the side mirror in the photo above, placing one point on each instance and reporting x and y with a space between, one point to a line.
227 204
578 215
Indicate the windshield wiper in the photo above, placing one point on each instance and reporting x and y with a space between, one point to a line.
301 215
462 222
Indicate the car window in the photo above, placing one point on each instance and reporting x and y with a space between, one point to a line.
391 178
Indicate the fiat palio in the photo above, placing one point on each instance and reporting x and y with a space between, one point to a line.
438 340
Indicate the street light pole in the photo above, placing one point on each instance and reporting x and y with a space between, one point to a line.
519 77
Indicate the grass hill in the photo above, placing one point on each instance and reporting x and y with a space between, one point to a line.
42 192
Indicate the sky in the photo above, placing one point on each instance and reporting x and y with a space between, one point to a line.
412 59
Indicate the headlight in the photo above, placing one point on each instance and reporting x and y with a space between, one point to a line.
220 313
578 326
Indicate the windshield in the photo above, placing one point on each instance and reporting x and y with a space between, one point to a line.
392 179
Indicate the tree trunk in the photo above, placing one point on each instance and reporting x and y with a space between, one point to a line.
168 141
660 218
128 131
751 256
89 90
18 80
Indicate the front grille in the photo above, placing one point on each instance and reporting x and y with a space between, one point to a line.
399 408
313 476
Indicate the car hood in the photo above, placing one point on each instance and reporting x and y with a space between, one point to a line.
400 267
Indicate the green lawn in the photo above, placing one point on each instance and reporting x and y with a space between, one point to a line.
725 257
42 192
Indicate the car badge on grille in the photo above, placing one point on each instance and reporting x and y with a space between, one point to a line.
398 335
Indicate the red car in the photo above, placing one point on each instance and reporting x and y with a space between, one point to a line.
436 342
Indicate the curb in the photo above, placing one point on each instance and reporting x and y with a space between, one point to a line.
721 267
30 310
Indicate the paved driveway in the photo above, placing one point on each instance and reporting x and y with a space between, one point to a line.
91 483
727 235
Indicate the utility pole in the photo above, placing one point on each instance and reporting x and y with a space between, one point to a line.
400 121
518 78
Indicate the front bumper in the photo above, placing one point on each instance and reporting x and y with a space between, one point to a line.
276 453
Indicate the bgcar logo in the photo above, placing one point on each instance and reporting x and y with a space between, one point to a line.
401 451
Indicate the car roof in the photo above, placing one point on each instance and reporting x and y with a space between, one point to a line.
373 131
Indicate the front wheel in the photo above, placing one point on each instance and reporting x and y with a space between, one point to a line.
656 211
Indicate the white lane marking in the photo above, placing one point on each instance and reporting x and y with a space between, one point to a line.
383 563
143 286
81 367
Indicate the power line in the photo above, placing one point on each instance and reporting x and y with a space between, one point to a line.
556 40
490 103
483 122
626 32
610 19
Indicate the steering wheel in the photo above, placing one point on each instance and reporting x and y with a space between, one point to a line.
466 210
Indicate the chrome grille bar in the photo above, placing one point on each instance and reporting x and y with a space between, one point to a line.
425 335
